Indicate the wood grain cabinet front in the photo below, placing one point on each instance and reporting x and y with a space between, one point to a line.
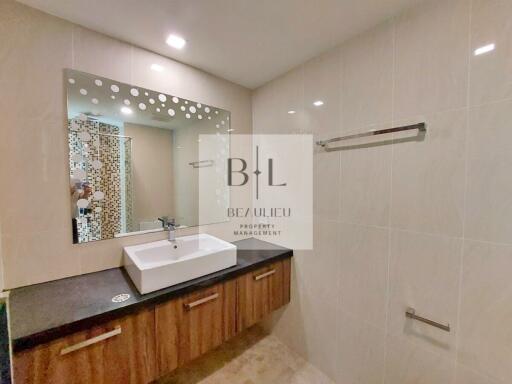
261 292
141 347
121 351
194 324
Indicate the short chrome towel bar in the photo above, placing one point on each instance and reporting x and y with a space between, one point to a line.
411 314
421 127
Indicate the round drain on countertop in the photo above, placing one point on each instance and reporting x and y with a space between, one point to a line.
120 298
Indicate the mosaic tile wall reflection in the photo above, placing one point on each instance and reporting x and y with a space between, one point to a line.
100 159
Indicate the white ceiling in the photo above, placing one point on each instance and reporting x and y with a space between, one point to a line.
249 42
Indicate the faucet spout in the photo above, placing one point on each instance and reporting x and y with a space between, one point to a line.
170 227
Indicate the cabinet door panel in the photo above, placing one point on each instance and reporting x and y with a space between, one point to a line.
190 326
121 351
261 292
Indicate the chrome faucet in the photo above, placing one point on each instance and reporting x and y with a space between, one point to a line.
170 226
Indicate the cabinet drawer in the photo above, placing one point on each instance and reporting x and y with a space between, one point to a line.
190 326
120 351
263 291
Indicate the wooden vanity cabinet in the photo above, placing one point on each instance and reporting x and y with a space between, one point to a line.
263 291
194 324
141 347
120 351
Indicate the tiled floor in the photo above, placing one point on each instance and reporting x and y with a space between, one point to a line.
252 358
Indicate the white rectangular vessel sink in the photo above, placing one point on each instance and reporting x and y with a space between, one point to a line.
157 265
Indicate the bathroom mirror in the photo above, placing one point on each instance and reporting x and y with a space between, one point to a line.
136 159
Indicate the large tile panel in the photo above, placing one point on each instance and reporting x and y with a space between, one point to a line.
431 58
429 177
424 274
489 186
491 73
486 309
363 277
367 78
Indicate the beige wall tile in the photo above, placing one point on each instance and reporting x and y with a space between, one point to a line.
320 322
34 164
171 80
407 363
431 59
319 294
367 78
272 102
489 187
101 55
467 375
287 324
361 351
363 277
322 79
34 49
429 176
424 274
309 323
326 184
34 257
491 73
486 309
365 185
320 271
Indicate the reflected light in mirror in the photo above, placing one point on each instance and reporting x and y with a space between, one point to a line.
291 112
318 103
126 110
484 49
175 41
157 67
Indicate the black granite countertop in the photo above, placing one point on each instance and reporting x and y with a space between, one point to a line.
43 312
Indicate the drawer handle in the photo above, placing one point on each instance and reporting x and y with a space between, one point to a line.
91 341
201 301
266 274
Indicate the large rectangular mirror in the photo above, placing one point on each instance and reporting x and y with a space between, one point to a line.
138 157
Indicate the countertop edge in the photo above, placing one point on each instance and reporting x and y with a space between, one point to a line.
30 341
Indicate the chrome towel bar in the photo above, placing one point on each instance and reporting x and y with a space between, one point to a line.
421 127
202 163
411 314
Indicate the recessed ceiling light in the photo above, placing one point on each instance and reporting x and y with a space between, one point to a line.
291 112
126 110
485 49
318 103
157 67
176 41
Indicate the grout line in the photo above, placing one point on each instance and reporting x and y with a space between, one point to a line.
464 199
73 46
390 206
131 64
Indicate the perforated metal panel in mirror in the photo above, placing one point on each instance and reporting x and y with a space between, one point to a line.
135 155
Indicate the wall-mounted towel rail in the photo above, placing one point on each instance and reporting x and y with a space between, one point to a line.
411 314
421 127
202 163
